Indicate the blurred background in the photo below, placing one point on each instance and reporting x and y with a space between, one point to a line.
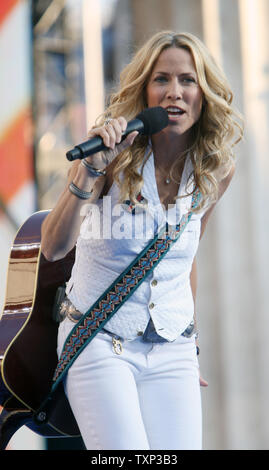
60 59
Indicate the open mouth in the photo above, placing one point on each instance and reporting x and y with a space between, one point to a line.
174 111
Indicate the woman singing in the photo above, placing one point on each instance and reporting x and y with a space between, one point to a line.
136 385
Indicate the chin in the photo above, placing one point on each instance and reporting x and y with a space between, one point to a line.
176 129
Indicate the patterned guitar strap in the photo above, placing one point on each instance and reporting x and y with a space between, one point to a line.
114 297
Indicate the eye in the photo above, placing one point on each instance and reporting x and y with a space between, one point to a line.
188 80
160 79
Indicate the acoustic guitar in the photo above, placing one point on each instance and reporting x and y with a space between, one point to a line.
28 338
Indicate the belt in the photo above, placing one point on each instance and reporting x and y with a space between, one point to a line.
67 309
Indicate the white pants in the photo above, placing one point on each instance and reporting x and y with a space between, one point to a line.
146 398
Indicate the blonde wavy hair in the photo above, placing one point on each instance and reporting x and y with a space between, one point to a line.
215 134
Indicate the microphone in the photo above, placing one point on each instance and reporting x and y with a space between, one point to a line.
148 122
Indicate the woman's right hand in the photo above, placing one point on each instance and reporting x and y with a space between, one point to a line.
111 133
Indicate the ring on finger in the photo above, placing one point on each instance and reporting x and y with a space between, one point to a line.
109 127
107 121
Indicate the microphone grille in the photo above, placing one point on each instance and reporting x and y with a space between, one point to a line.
154 119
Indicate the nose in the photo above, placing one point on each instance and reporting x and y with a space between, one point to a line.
175 90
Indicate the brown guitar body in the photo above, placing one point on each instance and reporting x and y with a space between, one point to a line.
28 335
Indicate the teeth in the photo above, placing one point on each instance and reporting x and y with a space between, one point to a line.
174 110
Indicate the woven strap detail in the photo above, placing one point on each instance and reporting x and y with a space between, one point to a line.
111 300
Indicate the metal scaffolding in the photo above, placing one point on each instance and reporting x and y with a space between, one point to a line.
58 104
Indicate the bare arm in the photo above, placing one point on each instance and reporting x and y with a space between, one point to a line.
193 275
60 229
222 188
193 279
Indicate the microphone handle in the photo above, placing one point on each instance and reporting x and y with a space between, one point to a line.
96 144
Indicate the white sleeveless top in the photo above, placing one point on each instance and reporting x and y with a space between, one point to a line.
111 236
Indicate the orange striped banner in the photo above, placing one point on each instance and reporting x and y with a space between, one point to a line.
16 155
5 8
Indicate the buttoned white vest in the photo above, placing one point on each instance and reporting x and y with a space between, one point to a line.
113 234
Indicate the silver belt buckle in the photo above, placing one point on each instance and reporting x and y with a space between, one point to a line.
117 346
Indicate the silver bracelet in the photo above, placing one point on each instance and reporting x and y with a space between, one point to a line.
79 192
92 170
